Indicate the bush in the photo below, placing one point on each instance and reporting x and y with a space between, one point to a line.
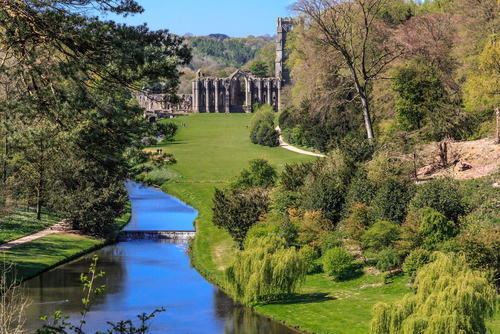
411 237
293 175
312 228
358 222
360 190
381 235
281 200
260 173
337 262
388 259
310 256
442 195
391 201
262 130
416 260
435 228
297 135
271 226
330 240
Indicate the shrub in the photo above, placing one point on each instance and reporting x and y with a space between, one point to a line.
337 262
281 200
358 222
312 228
262 130
416 260
297 135
482 251
381 235
260 173
411 237
310 255
330 240
270 226
435 228
388 259
360 190
442 195
391 201
293 175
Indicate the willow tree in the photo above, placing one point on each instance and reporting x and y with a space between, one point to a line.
266 270
450 298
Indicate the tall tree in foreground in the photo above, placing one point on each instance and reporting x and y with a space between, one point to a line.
450 298
356 36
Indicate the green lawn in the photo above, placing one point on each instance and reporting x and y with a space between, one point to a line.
21 223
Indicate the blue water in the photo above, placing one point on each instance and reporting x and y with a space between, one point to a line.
152 209
141 276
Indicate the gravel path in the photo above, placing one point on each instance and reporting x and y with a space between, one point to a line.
294 149
60 228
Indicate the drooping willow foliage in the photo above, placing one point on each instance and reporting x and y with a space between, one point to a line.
450 298
266 270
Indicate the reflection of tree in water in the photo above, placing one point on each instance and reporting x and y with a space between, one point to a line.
245 321
223 305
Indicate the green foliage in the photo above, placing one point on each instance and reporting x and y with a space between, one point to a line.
266 270
360 190
262 130
360 219
381 235
259 68
298 135
435 228
293 175
281 200
391 201
388 259
416 260
233 50
312 228
330 240
449 298
166 129
326 186
236 211
418 90
268 55
260 174
411 236
442 195
337 262
310 255
270 226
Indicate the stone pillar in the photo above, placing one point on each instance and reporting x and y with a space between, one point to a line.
278 103
227 101
207 96
259 86
269 92
248 95
196 96
216 95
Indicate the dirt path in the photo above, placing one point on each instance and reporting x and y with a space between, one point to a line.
294 149
60 228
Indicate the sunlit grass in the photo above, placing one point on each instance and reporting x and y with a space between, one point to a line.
21 223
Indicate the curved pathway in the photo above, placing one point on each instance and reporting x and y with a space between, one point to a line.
294 149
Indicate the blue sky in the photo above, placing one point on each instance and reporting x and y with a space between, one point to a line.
202 17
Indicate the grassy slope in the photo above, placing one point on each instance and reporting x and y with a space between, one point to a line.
21 223
215 148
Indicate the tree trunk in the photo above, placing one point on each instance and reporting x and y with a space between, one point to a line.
498 125
4 162
366 115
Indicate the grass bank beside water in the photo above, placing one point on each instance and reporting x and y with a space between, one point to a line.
20 223
42 254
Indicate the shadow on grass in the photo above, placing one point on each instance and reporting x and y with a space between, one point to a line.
302 298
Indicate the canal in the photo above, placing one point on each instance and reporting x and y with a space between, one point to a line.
143 275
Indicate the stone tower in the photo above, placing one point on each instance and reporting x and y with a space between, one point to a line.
284 26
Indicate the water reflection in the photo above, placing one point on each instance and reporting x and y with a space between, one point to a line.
142 276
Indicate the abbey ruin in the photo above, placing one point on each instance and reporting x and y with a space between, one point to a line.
235 94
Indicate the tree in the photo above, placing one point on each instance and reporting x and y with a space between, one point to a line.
259 68
449 298
435 228
353 32
260 174
381 235
267 270
237 211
